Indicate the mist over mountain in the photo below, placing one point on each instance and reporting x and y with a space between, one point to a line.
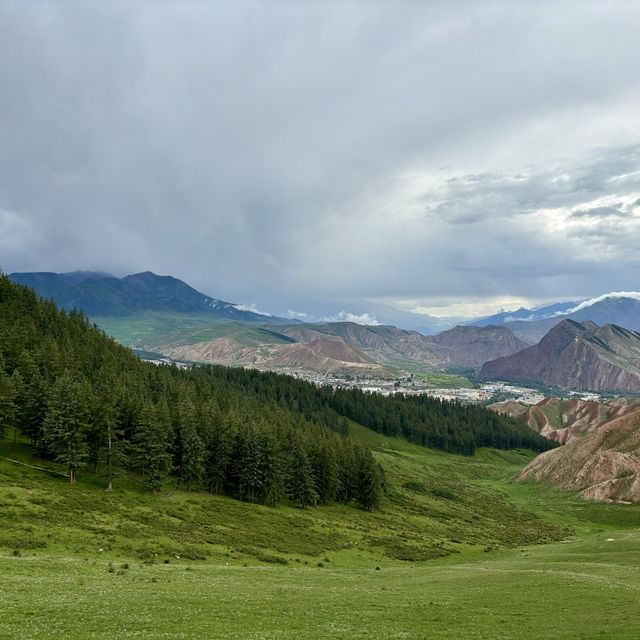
530 325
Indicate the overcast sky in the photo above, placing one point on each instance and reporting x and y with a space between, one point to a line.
447 157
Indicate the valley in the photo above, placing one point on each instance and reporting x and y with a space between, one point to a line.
458 550
256 501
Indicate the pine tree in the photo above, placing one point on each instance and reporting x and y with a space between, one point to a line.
7 402
325 473
63 425
19 386
192 459
300 485
152 447
273 476
253 467
35 408
369 485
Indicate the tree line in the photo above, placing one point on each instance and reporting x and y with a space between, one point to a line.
83 401
450 426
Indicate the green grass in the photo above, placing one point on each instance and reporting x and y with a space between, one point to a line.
457 551
443 380
148 326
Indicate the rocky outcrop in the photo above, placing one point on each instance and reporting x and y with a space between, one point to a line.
563 420
577 356
603 465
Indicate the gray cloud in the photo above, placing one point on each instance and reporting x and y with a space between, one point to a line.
270 153
600 212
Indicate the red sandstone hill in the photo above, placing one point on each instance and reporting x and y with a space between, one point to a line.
563 420
603 465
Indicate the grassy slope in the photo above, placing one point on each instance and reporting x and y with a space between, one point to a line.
148 326
435 579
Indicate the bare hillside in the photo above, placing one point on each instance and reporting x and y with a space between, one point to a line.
604 464
563 420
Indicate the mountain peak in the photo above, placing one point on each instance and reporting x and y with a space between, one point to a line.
576 355
104 295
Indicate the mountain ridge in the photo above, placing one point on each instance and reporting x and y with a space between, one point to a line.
100 294
575 355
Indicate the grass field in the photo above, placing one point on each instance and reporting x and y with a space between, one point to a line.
457 551
147 326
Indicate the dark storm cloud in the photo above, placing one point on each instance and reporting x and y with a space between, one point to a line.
265 151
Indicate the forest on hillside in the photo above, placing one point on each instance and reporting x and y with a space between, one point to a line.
86 402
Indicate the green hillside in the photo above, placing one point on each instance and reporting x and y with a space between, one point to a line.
455 551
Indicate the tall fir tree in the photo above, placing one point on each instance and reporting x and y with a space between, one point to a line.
152 447
64 425
192 448
7 402
300 485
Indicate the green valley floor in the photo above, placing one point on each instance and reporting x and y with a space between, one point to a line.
457 551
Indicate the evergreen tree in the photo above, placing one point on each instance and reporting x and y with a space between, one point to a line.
192 462
35 408
273 476
369 483
18 385
113 453
7 402
152 447
300 485
63 425
252 479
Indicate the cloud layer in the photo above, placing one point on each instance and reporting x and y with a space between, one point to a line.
273 153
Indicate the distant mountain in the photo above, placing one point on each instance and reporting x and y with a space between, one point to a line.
563 420
525 315
473 346
99 294
576 356
620 308
458 347
324 355
604 465
337 347
382 343
384 314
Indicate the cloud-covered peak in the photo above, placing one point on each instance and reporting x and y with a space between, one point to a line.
345 316
635 295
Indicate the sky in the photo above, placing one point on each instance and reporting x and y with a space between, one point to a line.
450 158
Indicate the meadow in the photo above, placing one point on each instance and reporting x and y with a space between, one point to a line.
456 551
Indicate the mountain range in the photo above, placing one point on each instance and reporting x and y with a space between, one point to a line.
530 325
339 347
165 315
101 294
577 356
